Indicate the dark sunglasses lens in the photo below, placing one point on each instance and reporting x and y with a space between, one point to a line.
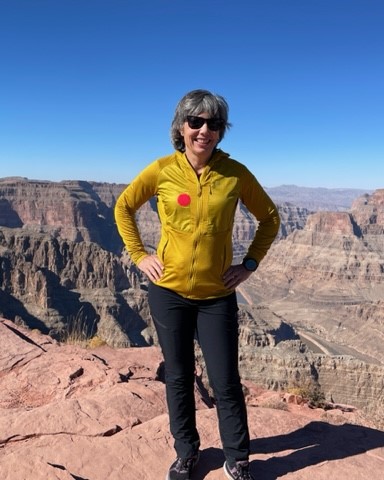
195 122
214 124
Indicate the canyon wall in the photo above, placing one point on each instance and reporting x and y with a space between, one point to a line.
63 269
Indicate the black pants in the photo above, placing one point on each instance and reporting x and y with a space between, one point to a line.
214 322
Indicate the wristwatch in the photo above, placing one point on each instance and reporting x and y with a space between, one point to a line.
250 264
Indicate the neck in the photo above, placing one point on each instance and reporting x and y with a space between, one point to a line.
198 163
198 167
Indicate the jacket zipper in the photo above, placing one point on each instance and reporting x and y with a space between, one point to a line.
197 236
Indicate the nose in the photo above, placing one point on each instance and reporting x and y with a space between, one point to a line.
204 128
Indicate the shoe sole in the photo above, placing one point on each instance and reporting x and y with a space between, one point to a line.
226 472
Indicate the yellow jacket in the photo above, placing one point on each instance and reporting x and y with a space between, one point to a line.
197 216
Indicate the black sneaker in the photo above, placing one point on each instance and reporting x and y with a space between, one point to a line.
239 472
181 468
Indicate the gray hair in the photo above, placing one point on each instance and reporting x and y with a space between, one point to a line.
195 103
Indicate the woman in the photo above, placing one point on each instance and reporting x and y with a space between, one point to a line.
192 282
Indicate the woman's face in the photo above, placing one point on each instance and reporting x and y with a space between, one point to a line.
199 142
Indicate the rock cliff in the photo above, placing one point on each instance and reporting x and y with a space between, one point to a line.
328 279
72 413
59 286
73 210
62 271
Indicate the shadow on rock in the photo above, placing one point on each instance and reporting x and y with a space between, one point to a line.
210 459
315 443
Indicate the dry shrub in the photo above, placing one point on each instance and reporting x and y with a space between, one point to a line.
310 392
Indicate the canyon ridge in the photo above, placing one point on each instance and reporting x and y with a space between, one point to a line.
311 317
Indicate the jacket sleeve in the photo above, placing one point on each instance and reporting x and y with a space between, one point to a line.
142 188
265 211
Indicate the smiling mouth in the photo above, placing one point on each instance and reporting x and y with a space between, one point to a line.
201 141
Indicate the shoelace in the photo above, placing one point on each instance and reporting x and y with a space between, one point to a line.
183 465
242 471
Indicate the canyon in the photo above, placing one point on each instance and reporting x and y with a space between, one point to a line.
312 314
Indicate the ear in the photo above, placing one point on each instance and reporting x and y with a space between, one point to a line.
181 131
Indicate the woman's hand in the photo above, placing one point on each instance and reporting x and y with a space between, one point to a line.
152 267
235 275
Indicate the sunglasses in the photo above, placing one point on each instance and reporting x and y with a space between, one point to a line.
213 124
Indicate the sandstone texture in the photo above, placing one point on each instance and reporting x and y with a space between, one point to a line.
327 281
91 414
328 278
311 317
74 210
62 264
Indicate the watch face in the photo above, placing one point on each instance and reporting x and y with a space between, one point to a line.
250 264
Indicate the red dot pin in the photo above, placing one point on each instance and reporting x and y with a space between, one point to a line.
184 199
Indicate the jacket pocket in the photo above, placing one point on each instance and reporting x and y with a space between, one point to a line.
161 248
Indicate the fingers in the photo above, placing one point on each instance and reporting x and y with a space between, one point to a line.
152 267
235 275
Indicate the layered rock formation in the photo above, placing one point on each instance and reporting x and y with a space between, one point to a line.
328 279
61 271
59 286
71 413
73 210
61 260
83 211
368 211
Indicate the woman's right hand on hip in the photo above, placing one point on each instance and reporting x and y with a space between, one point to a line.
152 267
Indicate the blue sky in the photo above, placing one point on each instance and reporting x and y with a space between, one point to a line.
88 87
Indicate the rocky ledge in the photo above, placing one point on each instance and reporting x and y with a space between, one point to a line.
91 414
